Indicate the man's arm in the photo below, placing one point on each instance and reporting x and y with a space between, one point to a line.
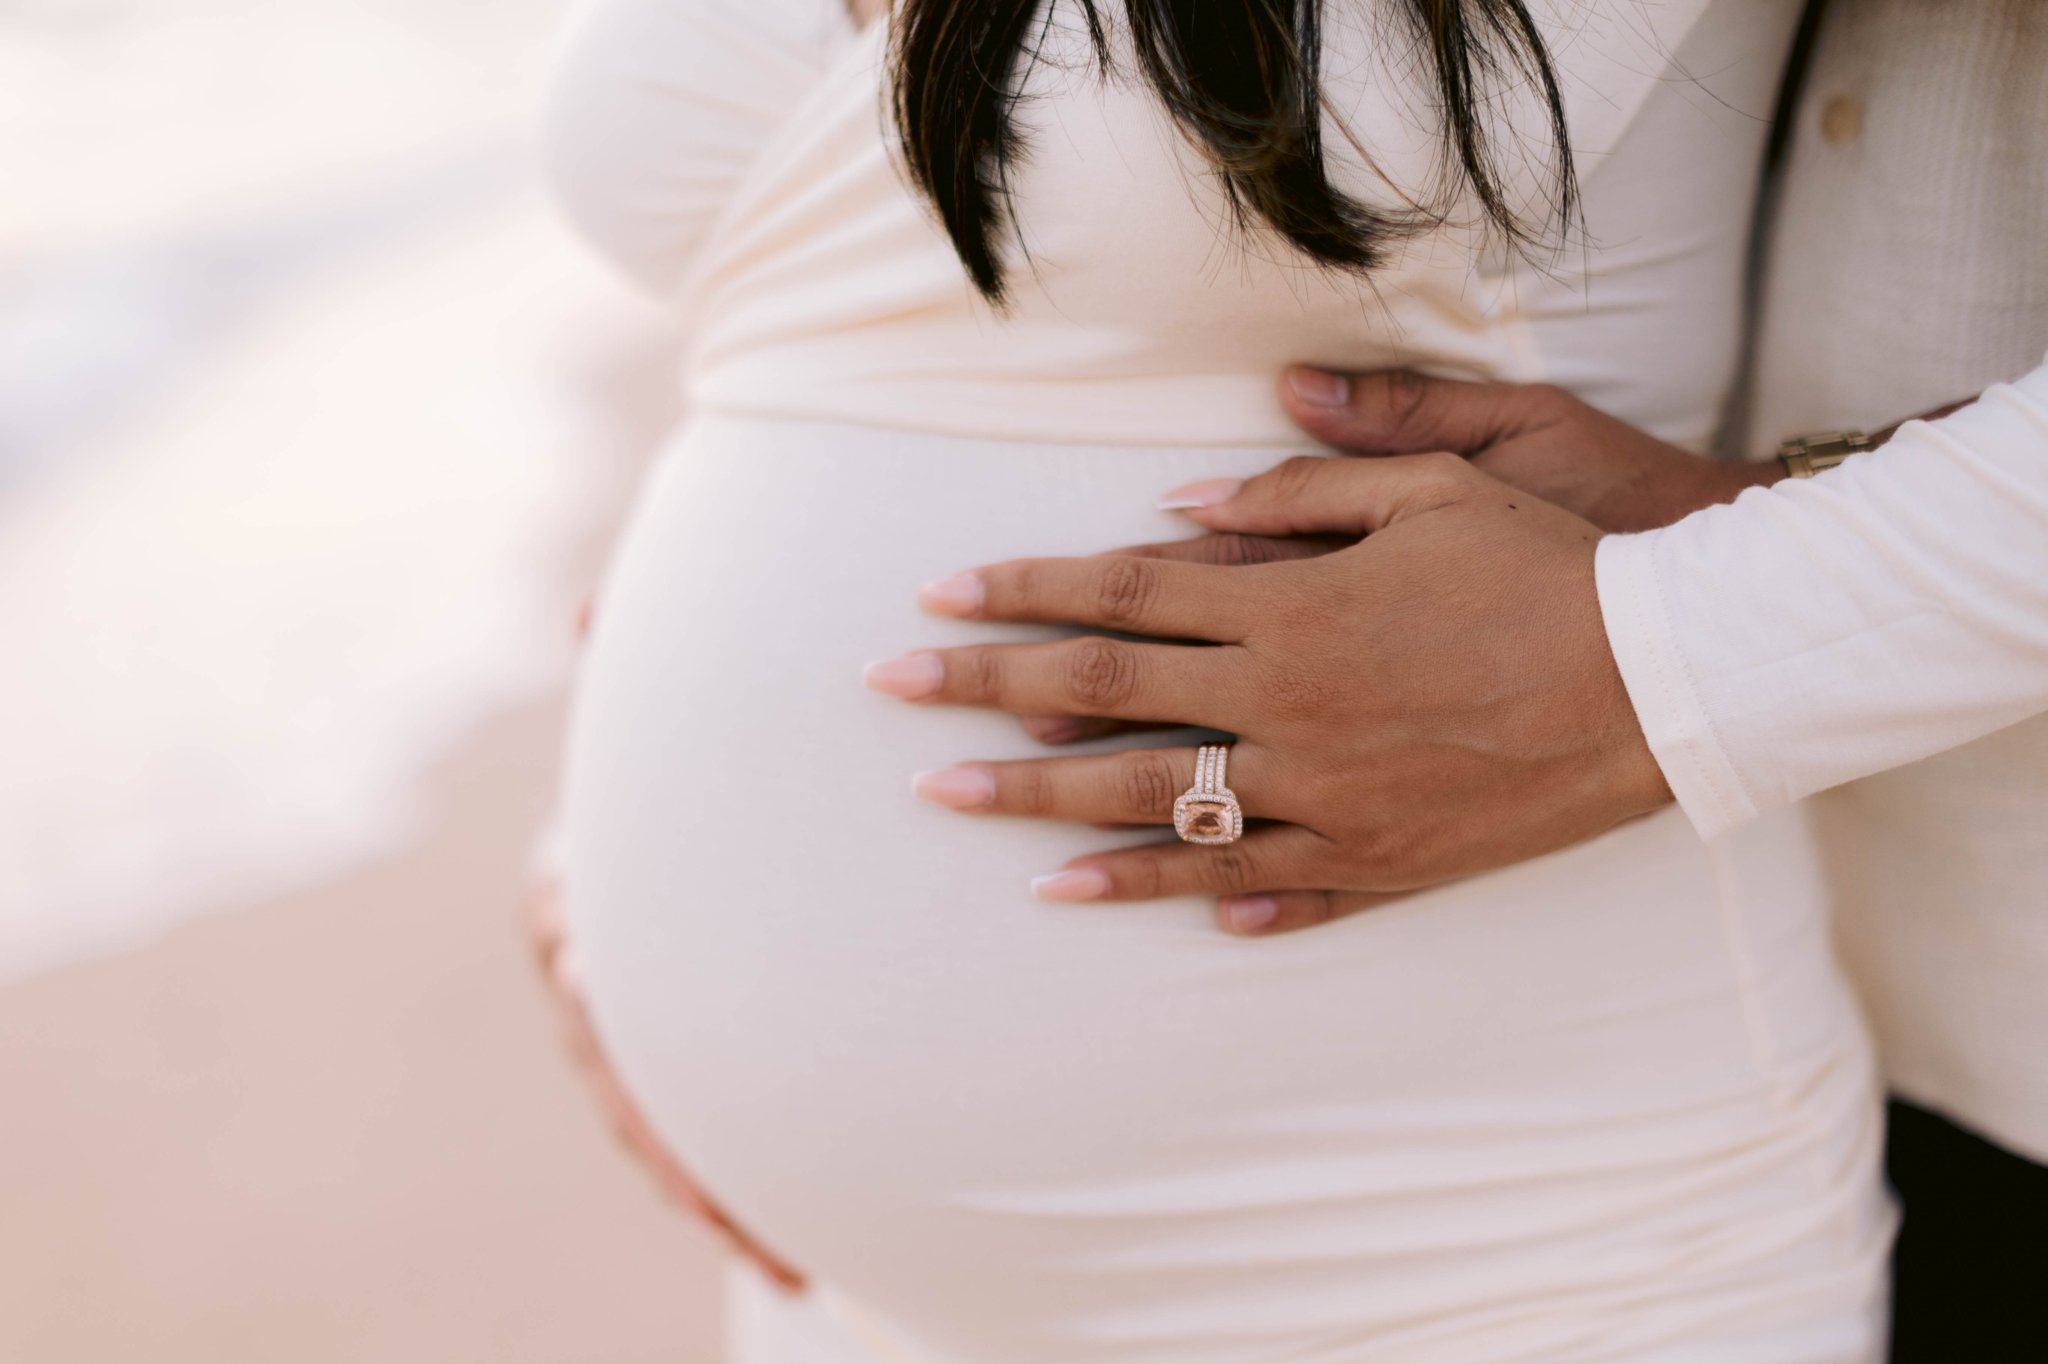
1836 627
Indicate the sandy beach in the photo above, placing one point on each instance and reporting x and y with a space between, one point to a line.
336 1127
314 424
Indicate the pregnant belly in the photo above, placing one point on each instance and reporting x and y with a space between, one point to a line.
1586 1103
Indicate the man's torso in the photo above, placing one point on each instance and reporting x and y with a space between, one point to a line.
1909 269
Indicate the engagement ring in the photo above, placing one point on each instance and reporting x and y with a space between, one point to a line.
1208 812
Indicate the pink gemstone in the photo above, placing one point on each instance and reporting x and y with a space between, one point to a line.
1208 819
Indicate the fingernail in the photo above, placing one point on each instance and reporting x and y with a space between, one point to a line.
1250 913
1207 493
966 787
1319 388
959 595
1082 883
909 677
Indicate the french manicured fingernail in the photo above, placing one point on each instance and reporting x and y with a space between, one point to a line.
966 787
1319 388
909 677
1207 493
959 595
1250 913
1082 883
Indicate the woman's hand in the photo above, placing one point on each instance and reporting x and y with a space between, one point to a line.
1531 436
1430 702
558 974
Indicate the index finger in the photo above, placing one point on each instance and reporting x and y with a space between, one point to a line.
1158 597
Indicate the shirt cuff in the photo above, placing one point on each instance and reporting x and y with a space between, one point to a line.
1649 652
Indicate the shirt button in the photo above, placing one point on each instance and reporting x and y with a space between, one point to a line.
1841 120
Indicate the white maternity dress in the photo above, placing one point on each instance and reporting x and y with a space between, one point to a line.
1611 1105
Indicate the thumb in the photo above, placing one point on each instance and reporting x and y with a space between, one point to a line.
1399 412
1316 495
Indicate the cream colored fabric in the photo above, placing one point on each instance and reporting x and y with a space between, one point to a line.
1614 1105
1892 617
730 155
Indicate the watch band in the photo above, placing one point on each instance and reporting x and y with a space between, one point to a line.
1805 456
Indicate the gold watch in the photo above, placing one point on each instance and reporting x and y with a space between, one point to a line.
1805 456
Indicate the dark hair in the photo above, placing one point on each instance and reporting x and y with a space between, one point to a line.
1242 79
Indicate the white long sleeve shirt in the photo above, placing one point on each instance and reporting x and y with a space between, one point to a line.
1880 633
1827 629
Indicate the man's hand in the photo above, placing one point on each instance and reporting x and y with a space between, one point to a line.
1431 702
1538 438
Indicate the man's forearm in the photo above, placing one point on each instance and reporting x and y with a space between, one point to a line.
1823 630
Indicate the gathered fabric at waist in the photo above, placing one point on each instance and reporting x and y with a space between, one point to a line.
1040 380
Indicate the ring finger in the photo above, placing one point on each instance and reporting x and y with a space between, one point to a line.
1137 786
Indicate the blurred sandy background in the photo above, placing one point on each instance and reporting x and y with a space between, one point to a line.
313 425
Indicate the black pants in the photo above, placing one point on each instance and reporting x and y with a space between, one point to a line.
1970 1272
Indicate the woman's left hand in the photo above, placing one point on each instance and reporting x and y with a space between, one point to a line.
1430 702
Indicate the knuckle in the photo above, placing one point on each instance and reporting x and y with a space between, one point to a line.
1101 674
1387 855
1407 396
1294 477
1124 591
1549 399
1147 784
1030 789
1232 869
1016 584
1303 613
976 674
1141 877
1445 464
1297 690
